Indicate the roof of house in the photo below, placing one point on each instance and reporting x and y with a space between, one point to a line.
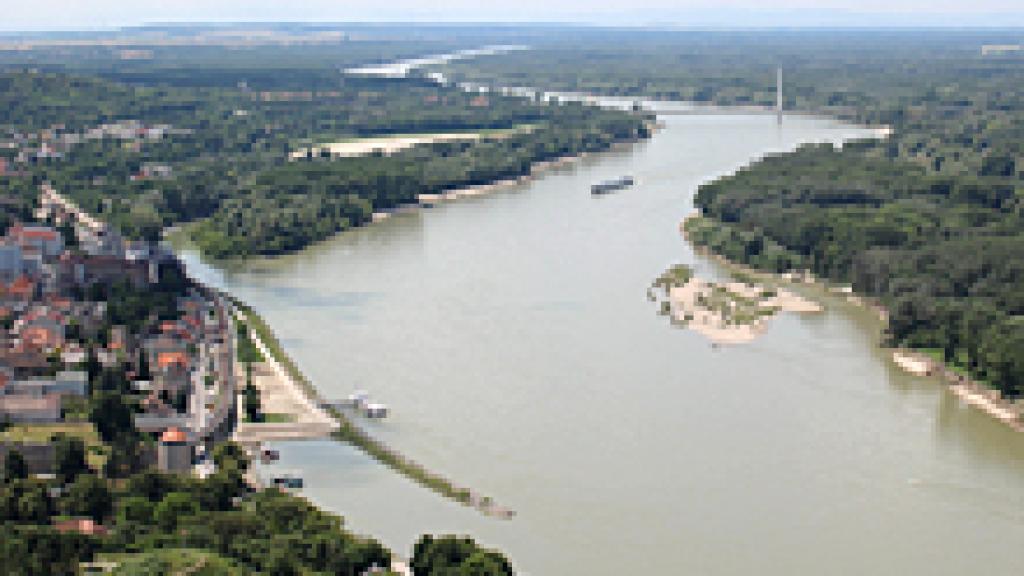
47 235
34 233
40 336
173 434
21 286
167 359
81 525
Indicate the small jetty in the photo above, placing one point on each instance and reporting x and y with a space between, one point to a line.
609 186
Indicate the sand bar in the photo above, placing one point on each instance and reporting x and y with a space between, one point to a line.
727 313
383 145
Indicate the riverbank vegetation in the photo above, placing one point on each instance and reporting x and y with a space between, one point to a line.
930 221
215 520
939 249
183 137
152 523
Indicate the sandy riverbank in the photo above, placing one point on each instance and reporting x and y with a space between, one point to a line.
969 392
983 399
454 194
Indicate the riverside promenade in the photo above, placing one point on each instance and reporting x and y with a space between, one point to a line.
297 416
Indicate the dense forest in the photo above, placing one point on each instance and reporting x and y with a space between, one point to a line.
168 524
929 221
206 134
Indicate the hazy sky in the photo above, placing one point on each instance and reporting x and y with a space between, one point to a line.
78 14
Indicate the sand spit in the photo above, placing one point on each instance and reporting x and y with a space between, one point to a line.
912 363
990 402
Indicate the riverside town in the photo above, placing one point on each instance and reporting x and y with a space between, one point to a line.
433 289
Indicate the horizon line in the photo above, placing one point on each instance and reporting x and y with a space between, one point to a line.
680 27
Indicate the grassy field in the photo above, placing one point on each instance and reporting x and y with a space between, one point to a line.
273 418
96 454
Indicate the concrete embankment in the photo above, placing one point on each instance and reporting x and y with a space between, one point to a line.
344 429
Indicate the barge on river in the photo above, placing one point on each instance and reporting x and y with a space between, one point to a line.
609 186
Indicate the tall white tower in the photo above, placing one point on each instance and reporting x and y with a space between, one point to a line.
778 93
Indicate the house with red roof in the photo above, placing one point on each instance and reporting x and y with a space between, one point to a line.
21 289
45 239
168 360
86 526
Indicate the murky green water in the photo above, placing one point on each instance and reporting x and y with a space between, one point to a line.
511 338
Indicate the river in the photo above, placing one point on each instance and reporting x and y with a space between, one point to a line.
511 337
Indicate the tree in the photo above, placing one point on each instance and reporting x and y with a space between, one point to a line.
143 372
42 551
230 456
112 416
1002 357
112 380
456 556
15 467
153 485
89 496
92 364
485 563
134 509
124 458
67 231
34 504
221 488
69 457
174 508
281 562
252 404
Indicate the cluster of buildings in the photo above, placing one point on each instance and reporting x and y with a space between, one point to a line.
180 369
54 142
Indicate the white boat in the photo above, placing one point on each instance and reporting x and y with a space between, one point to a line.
375 410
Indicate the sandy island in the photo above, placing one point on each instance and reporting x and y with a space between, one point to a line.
726 313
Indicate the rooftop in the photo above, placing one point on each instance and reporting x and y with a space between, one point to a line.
173 435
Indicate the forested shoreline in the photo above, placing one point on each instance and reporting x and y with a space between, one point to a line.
158 523
210 138
929 221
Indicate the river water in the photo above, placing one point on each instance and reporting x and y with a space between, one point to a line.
511 337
